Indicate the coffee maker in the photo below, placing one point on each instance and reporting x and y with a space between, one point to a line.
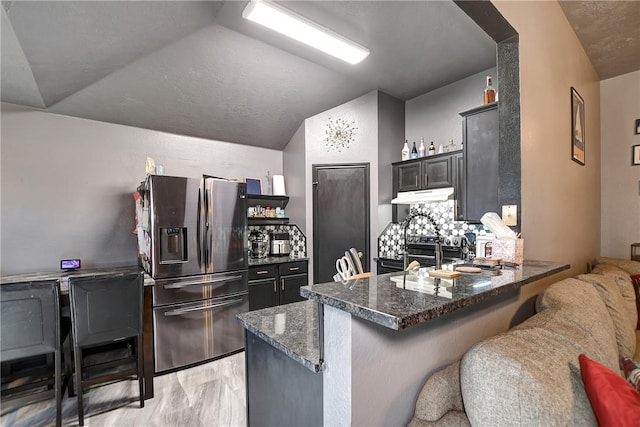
258 244
280 244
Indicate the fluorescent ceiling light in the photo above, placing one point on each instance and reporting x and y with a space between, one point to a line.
300 28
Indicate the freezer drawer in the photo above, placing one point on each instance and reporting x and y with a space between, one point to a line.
197 331
194 288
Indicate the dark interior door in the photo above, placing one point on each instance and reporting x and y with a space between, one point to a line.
340 216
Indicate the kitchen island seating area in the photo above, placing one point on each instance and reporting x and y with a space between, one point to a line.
531 375
358 351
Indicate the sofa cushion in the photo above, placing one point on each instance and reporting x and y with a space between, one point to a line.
530 374
582 318
630 266
440 393
626 285
614 401
524 379
624 320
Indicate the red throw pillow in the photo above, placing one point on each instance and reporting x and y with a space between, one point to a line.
614 401
635 278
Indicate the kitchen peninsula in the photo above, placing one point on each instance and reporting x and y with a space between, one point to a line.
380 340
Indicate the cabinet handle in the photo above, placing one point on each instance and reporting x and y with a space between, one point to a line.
282 284
294 268
262 272
275 288
416 180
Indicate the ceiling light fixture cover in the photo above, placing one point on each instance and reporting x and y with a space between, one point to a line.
297 27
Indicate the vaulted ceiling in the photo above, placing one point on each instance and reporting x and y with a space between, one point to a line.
199 69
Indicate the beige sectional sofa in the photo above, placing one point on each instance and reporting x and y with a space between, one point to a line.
530 375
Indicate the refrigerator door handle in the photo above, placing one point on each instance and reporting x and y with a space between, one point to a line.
205 215
200 282
209 232
199 227
202 308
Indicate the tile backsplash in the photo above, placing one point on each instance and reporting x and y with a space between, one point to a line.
391 240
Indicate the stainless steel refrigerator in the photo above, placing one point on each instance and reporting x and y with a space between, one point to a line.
194 244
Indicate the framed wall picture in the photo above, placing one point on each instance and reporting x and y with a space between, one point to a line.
637 130
577 127
254 186
635 155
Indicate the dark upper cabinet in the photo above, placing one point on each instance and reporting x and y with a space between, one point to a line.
408 176
423 174
437 173
481 168
457 163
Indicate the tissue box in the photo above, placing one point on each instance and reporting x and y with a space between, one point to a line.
509 250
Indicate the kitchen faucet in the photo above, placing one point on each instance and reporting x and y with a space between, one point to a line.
414 213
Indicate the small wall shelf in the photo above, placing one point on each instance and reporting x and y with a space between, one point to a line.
268 221
265 200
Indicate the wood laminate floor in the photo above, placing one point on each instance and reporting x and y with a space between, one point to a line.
207 395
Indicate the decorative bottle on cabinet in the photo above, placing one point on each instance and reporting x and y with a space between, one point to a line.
432 149
405 150
489 92
422 149
414 151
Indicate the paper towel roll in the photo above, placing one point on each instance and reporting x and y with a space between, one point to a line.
278 185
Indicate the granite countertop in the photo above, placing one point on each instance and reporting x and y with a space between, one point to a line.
382 299
63 276
275 260
291 328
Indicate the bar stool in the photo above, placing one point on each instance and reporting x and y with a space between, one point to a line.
106 309
30 315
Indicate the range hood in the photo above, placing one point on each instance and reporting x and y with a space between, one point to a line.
423 196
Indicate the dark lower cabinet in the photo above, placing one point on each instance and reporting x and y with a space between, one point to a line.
280 390
263 294
290 288
276 284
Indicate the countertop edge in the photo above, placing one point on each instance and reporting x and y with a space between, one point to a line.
398 323
257 262
312 366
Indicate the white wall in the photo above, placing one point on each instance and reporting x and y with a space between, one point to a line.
435 115
620 181
391 113
293 160
67 184
364 149
560 198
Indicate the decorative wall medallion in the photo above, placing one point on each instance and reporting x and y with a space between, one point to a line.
339 134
